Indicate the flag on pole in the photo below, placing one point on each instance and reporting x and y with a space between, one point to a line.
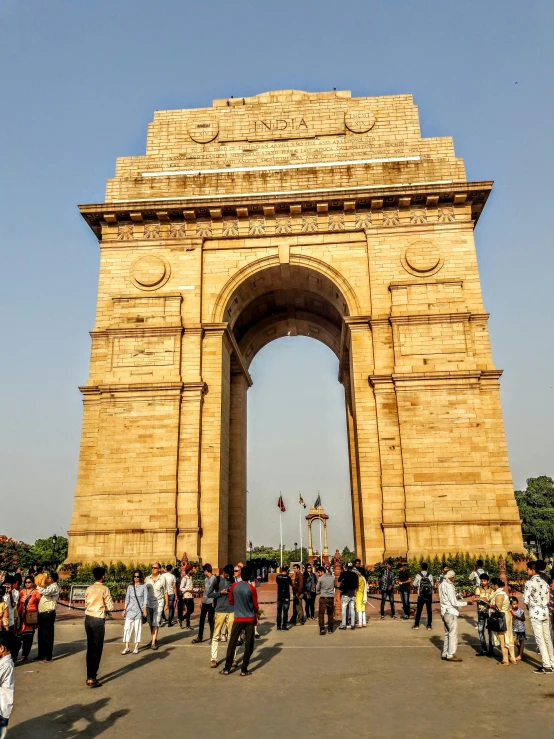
281 505
301 501
317 504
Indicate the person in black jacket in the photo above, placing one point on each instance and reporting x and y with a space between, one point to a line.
386 586
284 584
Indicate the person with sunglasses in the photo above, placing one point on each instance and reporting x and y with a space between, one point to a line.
157 601
27 608
135 609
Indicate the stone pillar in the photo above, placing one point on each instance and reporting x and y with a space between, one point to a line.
325 547
371 495
353 459
237 469
310 547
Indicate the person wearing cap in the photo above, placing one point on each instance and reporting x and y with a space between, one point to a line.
449 614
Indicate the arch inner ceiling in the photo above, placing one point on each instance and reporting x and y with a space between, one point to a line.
285 300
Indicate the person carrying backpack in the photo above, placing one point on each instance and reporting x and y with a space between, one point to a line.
424 584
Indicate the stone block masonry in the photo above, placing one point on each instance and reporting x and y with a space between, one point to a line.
290 213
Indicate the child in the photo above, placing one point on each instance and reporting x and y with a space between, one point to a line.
7 684
518 625
4 614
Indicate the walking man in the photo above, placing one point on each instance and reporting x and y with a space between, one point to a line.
424 583
348 585
98 601
244 599
325 588
171 581
207 605
297 592
223 610
156 601
483 594
284 584
450 613
536 596
386 586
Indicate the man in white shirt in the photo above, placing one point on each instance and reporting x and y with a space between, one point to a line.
449 613
535 596
156 600
171 593
7 683
477 572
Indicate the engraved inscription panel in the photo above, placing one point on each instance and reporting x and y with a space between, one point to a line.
432 338
143 351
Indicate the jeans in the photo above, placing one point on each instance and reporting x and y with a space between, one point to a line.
405 596
3 727
482 623
95 629
236 631
206 610
450 635
428 603
46 634
326 605
170 608
188 608
282 613
348 603
221 620
390 595
310 605
297 610
541 630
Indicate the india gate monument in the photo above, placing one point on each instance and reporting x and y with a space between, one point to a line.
290 213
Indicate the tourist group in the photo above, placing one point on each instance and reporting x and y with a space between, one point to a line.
166 597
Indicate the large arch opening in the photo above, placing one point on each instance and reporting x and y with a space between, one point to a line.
278 301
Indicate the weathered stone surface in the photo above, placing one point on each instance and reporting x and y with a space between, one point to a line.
290 213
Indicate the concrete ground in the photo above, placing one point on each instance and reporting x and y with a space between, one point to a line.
385 681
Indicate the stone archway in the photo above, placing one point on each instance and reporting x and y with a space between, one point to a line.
232 231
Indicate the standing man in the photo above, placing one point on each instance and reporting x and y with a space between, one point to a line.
348 585
536 596
171 581
297 593
244 599
11 599
325 588
483 594
404 587
424 583
156 601
477 572
98 601
450 613
207 605
284 584
359 568
386 586
47 616
223 614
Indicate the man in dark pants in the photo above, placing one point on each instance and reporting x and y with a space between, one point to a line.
386 586
49 595
284 584
325 588
423 581
244 599
98 601
207 609
297 593
483 593
404 587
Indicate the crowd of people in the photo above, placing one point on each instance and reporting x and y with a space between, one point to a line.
166 597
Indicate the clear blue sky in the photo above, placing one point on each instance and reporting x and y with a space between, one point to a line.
80 82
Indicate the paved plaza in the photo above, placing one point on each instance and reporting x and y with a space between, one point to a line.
385 681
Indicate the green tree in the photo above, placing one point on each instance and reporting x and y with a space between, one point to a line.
49 552
347 555
536 508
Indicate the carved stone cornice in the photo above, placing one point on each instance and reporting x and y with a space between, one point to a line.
327 210
175 330
429 380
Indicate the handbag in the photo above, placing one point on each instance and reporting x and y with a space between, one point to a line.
144 618
31 617
497 622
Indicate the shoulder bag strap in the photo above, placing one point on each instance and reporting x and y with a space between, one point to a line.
136 598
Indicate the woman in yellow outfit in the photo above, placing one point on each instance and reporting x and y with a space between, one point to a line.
361 600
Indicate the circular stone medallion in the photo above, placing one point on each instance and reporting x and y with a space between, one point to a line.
359 120
203 130
149 272
422 258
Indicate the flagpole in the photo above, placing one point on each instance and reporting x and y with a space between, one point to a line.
300 523
281 535
320 527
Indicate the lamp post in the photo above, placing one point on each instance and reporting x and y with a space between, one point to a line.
53 563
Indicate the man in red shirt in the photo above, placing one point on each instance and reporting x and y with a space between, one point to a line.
244 599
